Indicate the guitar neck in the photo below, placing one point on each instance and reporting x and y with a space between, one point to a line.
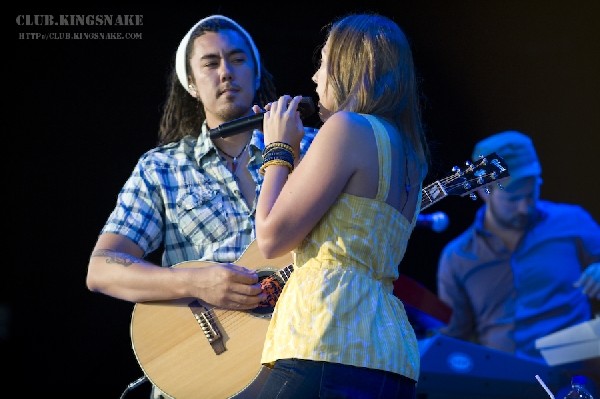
284 273
432 193
478 174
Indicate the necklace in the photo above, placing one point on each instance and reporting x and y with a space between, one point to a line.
234 159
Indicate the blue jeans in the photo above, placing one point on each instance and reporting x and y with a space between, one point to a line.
305 379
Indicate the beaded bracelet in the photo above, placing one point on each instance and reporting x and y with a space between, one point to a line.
278 144
277 155
275 162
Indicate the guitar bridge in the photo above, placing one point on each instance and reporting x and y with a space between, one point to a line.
206 320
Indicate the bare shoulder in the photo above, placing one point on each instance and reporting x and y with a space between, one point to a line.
345 125
347 138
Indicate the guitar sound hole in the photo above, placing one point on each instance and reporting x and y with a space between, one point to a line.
272 285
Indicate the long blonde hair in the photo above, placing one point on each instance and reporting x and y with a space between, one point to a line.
370 70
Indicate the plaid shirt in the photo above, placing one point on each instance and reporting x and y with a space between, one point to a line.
181 196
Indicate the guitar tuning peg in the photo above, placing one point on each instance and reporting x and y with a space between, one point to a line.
487 190
473 196
457 170
500 186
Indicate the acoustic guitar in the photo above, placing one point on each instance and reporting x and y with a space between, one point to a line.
190 349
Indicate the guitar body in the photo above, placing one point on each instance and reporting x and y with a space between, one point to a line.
174 351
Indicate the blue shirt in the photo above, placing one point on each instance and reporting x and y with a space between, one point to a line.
181 196
506 300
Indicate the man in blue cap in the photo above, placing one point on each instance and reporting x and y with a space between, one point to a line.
526 267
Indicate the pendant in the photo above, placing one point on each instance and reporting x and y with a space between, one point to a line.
234 163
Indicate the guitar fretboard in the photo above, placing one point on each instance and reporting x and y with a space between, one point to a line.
432 194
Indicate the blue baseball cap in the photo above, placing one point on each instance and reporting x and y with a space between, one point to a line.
516 149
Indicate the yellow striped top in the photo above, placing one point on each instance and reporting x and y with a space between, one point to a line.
338 305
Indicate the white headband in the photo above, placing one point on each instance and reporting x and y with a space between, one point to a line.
180 61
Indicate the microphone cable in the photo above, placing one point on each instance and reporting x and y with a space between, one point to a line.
133 385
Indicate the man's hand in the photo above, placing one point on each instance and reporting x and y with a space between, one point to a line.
226 285
589 282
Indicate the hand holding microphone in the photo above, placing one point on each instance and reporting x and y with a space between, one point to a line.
437 221
283 123
306 107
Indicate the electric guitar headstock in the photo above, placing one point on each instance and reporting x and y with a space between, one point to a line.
484 171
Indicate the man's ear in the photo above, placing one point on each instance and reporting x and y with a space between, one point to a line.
192 90
483 194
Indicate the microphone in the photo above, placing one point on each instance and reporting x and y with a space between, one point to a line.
437 221
306 107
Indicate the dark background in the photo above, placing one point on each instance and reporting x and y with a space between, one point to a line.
83 111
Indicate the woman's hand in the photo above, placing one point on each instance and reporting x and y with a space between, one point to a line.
282 121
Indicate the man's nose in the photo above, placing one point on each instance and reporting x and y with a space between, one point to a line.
225 70
525 205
